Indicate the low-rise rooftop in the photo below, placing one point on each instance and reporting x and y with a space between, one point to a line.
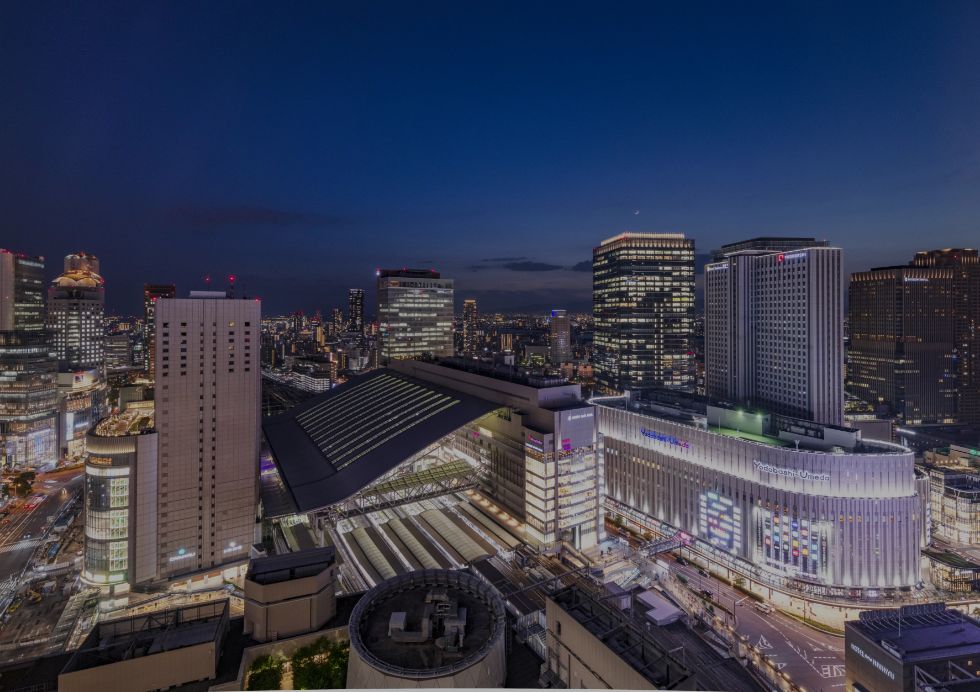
278 568
137 419
152 633
921 633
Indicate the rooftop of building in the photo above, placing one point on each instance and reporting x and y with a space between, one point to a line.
767 244
118 640
38 674
694 411
502 371
137 419
634 235
951 559
654 652
921 633
333 445
78 278
279 568
406 273
403 602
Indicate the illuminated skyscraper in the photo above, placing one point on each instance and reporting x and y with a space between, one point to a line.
76 321
151 292
208 396
774 328
76 314
415 313
561 337
355 310
336 322
915 337
643 301
28 367
469 327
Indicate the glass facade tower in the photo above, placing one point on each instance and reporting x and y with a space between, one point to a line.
28 367
643 302
415 314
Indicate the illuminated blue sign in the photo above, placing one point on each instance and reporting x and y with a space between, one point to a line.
669 439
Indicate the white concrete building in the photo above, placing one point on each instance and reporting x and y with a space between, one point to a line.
792 504
208 407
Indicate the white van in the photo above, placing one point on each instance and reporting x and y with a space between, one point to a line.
764 607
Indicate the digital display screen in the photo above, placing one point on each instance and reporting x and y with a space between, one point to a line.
720 522
792 543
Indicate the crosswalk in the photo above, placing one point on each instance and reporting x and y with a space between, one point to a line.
20 545
7 585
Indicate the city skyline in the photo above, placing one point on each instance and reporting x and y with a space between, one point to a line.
575 346
665 122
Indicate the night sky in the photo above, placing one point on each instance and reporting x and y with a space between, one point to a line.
301 146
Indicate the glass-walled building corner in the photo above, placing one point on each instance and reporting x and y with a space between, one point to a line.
120 500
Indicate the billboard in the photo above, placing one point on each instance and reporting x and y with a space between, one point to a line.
720 522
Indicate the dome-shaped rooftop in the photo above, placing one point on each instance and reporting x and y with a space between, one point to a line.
79 279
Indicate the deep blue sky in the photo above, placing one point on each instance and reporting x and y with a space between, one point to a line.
301 146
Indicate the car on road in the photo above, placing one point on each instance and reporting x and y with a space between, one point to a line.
681 561
702 572
764 607
706 593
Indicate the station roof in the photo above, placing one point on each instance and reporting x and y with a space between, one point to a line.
335 444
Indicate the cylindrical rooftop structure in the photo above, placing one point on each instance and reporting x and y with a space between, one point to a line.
429 628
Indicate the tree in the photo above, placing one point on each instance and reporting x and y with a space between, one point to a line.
23 483
321 665
265 673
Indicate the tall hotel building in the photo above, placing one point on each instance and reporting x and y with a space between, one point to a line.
28 367
469 327
151 293
415 313
561 338
774 328
208 397
915 338
643 301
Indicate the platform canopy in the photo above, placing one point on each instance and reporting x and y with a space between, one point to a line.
337 444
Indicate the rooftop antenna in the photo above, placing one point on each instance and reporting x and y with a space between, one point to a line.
231 286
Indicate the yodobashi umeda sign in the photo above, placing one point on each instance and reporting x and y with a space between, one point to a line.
802 474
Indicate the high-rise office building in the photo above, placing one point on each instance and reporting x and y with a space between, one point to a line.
151 293
561 337
415 313
355 310
469 327
208 397
76 314
774 316
28 367
915 338
118 352
643 302
336 325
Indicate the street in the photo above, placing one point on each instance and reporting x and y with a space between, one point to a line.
27 525
812 659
